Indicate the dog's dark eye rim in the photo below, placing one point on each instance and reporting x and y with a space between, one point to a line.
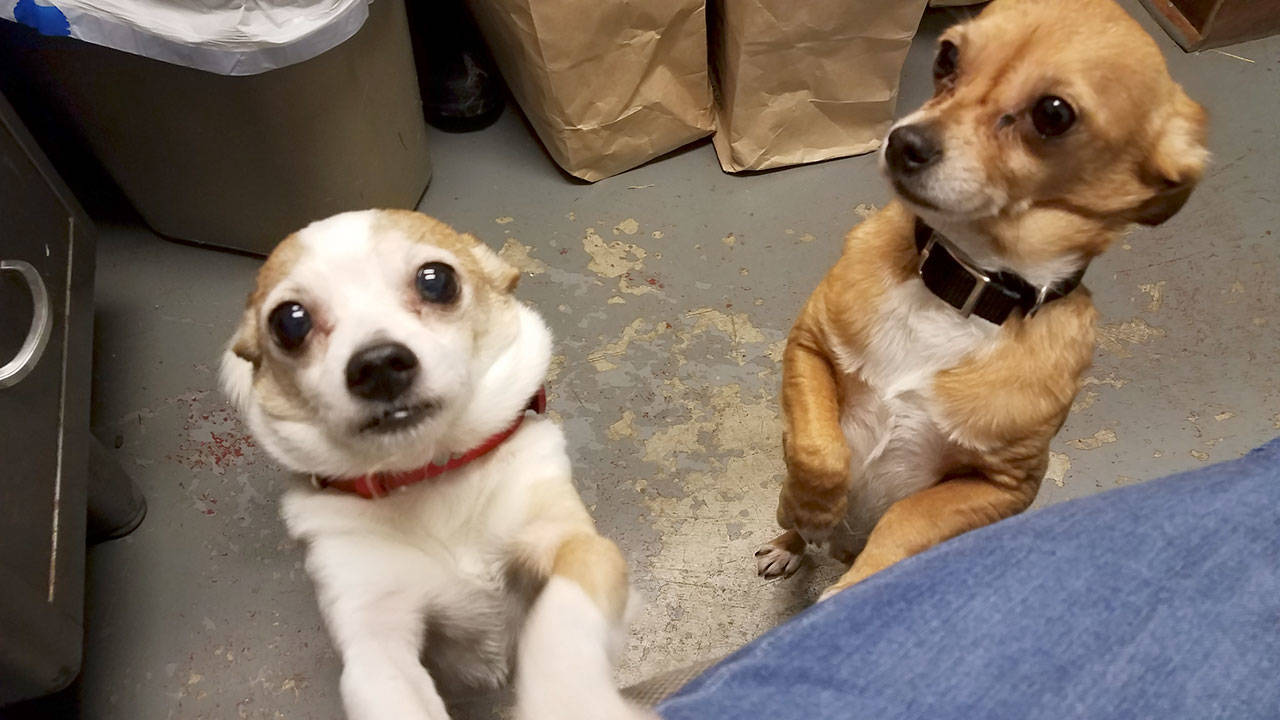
944 63
1052 116
437 283
290 324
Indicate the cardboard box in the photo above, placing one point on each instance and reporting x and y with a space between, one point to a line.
1204 24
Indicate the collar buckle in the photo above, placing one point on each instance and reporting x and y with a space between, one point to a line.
980 278
1041 294
980 282
924 253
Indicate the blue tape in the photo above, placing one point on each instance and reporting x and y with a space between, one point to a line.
46 19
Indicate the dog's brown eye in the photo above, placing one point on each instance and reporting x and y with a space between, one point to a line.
944 65
290 324
1052 116
437 283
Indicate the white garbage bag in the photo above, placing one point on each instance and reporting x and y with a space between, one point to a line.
228 37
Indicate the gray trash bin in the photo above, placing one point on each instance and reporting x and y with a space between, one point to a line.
240 161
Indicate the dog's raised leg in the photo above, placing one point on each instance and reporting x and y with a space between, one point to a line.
383 678
374 611
564 669
815 494
920 521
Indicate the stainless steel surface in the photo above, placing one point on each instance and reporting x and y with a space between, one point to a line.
37 226
12 372
43 424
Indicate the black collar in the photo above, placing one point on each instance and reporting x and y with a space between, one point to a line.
990 295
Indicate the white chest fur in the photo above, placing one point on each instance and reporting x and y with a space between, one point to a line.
888 413
916 336
438 551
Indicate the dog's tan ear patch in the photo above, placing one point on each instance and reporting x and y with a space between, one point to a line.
1176 161
499 271
246 343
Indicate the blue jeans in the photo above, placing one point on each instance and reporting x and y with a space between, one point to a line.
1159 600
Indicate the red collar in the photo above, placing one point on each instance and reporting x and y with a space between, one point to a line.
380 484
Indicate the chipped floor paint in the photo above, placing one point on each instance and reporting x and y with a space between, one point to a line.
1156 292
1118 338
1059 465
518 254
1106 436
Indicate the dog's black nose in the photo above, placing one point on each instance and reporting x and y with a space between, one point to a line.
911 148
381 372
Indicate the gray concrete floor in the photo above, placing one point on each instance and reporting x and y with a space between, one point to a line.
670 290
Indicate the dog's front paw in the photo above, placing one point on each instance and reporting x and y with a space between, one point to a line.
623 711
814 515
781 556
563 669
635 712
772 562
587 708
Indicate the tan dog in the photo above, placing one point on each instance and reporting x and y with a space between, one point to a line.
928 372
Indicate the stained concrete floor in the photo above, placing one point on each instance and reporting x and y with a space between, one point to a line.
670 290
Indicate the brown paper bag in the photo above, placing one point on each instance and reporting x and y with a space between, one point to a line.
607 84
799 81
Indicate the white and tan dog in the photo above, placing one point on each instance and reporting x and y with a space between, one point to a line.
384 358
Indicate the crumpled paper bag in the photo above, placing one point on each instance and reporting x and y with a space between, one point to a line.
607 84
799 81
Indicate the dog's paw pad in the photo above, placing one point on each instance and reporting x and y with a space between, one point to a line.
773 561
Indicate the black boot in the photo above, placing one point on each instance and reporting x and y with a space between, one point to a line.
461 87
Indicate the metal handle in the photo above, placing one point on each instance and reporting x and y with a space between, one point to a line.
12 372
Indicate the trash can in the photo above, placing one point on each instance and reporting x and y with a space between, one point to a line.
292 130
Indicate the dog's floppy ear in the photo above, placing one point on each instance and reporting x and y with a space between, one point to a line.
1178 156
245 343
499 271
240 361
